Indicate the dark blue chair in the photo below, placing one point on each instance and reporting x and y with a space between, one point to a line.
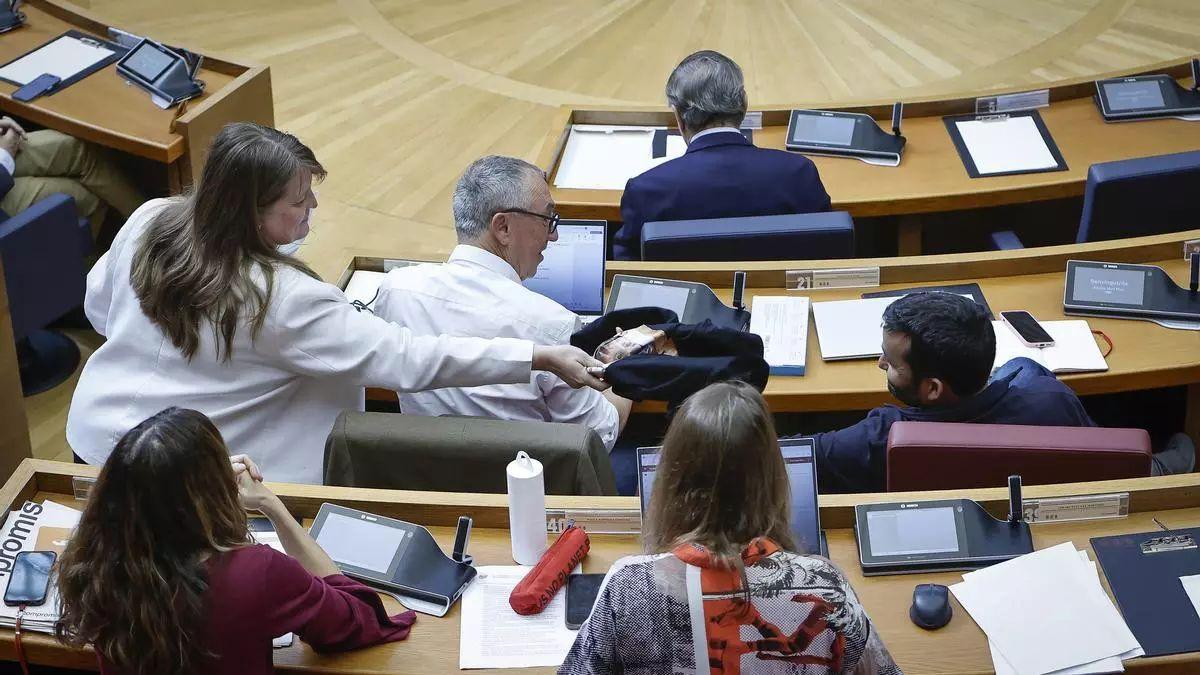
1134 198
44 251
807 236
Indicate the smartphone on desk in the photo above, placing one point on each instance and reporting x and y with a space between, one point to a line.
582 590
29 580
1028 330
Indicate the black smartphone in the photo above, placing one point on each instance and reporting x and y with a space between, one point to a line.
582 590
1027 329
29 580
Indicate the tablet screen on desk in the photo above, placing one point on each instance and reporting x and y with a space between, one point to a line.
352 541
823 129
640 294
1137 95
1122 287
148 62
912 531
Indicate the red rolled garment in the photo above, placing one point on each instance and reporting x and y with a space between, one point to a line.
538 587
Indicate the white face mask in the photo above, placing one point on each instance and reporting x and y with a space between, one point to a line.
292 248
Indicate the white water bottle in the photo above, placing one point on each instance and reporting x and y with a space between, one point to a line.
526 509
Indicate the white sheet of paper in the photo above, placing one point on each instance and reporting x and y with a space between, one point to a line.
492 635
1000 146
272 539
1191 586
1070 621
603 157
782 323
64 57
1111 664
850 329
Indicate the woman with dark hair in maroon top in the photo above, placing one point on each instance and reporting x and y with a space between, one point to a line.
161 575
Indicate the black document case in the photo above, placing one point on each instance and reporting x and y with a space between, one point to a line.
972 290
1148 591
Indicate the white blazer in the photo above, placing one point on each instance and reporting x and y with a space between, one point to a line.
277 397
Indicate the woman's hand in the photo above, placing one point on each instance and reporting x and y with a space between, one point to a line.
569 363
243 464
252 493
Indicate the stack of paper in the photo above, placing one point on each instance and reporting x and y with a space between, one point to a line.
492 635
782 323
20 533
1046 612
1074 349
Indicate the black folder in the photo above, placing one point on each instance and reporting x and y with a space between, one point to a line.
1143 572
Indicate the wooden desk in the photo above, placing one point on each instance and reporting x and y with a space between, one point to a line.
931 177
433 645
14 430
104 109
1145 355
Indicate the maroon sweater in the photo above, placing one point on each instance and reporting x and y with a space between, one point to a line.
256 594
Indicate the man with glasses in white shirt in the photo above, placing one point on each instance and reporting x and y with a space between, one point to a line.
504 217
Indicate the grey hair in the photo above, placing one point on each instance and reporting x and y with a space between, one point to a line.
490 185
706 89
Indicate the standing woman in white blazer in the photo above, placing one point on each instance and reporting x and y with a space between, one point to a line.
201 310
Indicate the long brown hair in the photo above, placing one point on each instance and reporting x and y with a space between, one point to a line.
721 480
133 577
200 257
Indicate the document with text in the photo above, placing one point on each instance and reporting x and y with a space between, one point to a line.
492 635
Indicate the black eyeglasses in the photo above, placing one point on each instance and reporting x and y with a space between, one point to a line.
552 219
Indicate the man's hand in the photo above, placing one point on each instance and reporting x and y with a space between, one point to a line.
10 141
11 124
569 363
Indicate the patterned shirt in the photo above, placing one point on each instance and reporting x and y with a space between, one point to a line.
802 618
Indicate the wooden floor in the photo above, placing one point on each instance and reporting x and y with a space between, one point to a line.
398 96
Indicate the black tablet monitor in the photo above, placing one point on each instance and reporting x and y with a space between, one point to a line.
149 61
1109 285
844 134
628 291
1121 290
160 71
800 463
943 534
1145 96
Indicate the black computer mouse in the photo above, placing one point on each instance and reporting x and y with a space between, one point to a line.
931 606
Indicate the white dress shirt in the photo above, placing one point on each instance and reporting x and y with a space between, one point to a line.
277 397
716 130
7 161
479 294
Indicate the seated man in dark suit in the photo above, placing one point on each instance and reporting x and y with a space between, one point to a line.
938 349
722 175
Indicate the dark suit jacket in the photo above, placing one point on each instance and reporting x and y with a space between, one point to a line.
1021 391
721 175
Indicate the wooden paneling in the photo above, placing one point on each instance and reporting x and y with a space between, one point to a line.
14 430
432 647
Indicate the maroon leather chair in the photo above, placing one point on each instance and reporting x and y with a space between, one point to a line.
940 456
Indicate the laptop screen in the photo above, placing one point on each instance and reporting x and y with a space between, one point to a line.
572 269
802 475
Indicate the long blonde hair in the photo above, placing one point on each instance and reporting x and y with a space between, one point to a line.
199 257
721 480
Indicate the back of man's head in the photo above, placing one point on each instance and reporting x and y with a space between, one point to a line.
490 185
951 338
706 90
